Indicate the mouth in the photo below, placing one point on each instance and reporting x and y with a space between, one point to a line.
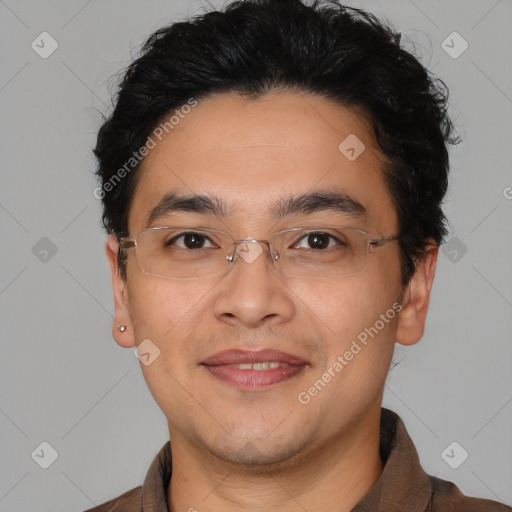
253 370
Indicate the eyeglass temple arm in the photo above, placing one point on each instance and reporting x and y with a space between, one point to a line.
378 242
126 243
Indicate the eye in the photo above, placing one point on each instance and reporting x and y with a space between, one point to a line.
190 240
317 241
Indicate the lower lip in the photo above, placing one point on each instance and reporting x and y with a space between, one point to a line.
254 379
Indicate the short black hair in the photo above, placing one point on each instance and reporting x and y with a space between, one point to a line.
256 47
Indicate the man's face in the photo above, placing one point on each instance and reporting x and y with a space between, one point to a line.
252 155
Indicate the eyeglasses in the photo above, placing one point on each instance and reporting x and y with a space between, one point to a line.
184 252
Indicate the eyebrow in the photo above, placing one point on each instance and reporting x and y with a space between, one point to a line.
203 204
337 201
312 202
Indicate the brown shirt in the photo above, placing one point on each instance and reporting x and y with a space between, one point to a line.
402 487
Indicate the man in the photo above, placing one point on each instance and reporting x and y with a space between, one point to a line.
272 178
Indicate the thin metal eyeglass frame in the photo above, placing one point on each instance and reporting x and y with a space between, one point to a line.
131 243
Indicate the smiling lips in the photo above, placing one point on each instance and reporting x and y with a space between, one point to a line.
254 370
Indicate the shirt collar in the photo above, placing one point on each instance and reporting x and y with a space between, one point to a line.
403 485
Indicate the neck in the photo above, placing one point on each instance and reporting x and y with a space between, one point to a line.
332 476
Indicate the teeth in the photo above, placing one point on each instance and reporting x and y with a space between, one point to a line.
267 365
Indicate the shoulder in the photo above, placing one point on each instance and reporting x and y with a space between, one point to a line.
127 502
447 497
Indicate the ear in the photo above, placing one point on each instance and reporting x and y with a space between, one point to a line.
122 313
411 321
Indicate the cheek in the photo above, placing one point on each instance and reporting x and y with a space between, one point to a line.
343 308
161 309
169 314
358 345
358 341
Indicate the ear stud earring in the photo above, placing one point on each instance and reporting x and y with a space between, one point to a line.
122 328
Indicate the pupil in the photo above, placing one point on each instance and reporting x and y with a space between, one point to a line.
318 241
193 240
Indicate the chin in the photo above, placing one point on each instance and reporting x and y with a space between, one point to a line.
255 452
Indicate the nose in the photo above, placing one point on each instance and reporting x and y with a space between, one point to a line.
253 294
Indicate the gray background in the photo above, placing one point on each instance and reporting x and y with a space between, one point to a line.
64 380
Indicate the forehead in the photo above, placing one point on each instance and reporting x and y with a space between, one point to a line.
251 153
